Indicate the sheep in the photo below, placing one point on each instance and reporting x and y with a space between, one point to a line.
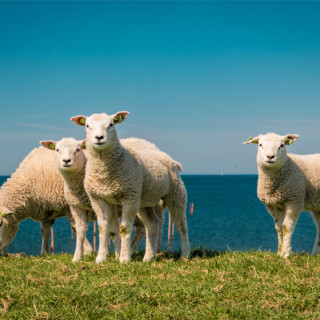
35 190
71 161
287 185
132 178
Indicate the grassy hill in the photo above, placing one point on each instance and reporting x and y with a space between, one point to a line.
210 285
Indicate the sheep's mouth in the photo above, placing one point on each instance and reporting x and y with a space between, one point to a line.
270 161
67 166
99 144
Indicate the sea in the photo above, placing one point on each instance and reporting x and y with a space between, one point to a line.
227 215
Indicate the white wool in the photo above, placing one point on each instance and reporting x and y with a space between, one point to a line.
35 190
133 178
71 161
287 185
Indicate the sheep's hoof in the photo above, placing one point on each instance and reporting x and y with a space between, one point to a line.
76 258
148 259
149 256
101 259
186 255
124 260
284 255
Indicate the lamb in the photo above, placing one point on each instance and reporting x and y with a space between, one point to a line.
287 185
35 190
132 178
71 161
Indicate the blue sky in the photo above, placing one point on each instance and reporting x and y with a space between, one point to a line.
198 78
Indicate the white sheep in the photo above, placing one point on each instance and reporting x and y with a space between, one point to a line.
132 178
35 190
287 185
71 161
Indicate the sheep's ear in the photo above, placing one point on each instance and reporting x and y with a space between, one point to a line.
83 144
49 144
290 138
120 116
252 140
5 213
79 120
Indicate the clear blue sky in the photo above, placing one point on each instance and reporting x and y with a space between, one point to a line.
197 77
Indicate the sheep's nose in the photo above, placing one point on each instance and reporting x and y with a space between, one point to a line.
270 157
99 138
66 161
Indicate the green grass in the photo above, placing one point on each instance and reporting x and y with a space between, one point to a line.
210 285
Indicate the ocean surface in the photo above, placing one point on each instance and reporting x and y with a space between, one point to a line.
227 216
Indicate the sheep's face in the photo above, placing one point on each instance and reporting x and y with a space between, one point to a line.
69 154
100 128
272 148
8 229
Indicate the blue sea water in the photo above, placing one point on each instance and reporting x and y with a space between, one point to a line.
227 216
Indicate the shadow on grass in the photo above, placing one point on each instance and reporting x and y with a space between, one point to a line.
199 252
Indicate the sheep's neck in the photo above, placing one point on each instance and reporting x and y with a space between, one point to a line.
74 180
107 160
271 178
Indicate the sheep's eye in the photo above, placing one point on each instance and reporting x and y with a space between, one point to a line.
110 125
78 150
57 150
260 145
87 126
1 223
282 145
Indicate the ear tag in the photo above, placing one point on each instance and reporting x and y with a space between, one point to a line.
118 118
52 146
82 121
289 141
254 142
4 214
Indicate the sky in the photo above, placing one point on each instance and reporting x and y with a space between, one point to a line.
198 78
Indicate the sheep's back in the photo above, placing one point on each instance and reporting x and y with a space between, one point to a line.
310 166
35 188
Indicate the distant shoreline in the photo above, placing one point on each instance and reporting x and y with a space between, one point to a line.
194 174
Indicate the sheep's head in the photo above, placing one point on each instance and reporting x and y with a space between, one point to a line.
8 228
272 148
100 128
69 155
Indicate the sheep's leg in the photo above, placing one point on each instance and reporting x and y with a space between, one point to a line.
139 233
177 203
129 212
151 223
45 235
113 226
160 232
102 211
87 248
82 220
289 224
278 216
316 248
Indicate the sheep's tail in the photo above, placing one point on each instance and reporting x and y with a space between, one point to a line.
179 166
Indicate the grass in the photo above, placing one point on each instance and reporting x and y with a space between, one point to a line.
210 285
